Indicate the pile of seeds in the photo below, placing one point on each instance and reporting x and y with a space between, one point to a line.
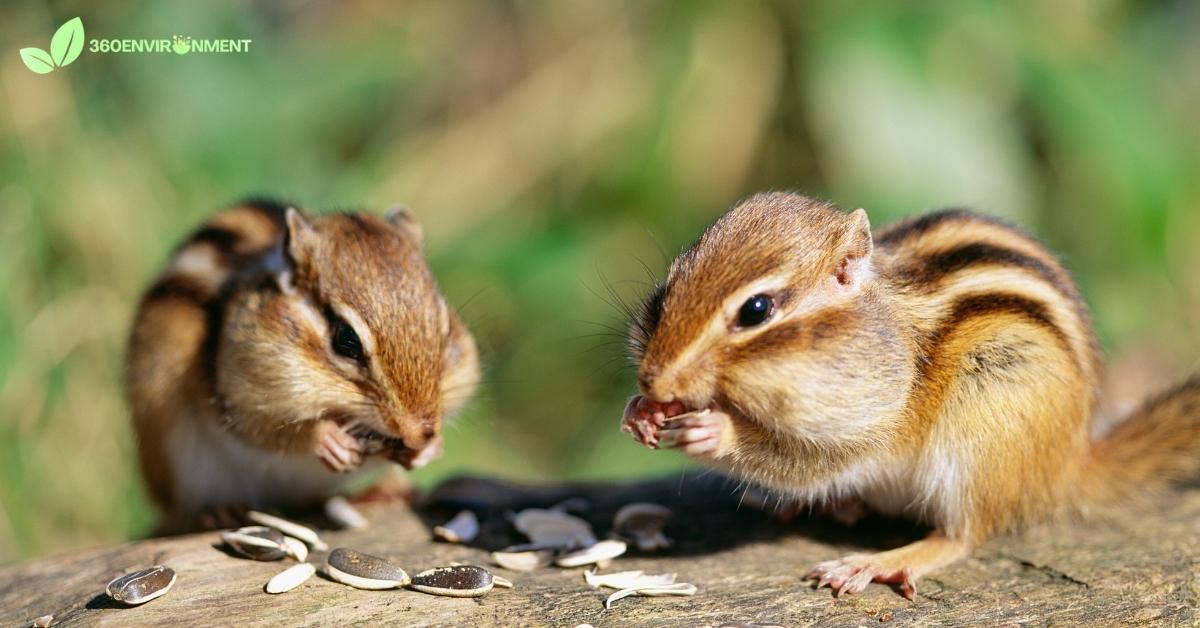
275 538
556 537
564 540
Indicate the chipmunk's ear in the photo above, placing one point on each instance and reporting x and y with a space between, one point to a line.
854 265
402 218
299 245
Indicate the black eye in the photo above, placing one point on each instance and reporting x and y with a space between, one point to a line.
756 310
346 342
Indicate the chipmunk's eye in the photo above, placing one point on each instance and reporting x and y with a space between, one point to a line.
755 311
346 342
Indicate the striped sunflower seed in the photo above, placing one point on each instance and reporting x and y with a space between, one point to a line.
141 586
363 571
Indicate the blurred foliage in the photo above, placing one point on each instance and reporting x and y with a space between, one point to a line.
559 154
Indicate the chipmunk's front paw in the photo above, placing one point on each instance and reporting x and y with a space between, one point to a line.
703 434
642 420
337 449
852 574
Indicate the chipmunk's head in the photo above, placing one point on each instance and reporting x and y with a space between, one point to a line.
353 329
773 316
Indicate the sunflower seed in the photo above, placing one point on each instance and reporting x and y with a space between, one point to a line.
290 578
344 514
502 582
643 523
523 561
257 542
463 528
670 589
689 414
553 528
295 548
456 581
363 571
594 553
142 586
290 528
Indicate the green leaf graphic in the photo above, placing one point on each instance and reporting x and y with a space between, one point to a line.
67 42
37 60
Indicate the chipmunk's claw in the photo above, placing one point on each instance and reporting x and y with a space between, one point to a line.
699 434
338 450
692 437
853 573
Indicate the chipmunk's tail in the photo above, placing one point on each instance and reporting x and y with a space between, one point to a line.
1159 444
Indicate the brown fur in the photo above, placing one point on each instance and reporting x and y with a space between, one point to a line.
944 369
234 338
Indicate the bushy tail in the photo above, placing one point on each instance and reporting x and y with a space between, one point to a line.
1156 446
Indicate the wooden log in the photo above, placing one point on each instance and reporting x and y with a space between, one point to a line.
749 567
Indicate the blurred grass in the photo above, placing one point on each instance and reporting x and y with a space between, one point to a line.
559 154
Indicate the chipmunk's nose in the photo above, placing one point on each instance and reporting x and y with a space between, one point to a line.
415 431
654 387
421 434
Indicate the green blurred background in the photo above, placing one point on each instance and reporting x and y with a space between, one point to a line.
558 154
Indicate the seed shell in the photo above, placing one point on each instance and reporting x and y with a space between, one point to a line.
595 553
290 578
627 579
141 586
553 528
454 581
364 571
670 589
342 512
523 561
643 523
295 548
502 582
463 528
290 528
256 542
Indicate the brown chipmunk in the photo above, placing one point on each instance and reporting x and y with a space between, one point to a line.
277 353
943 370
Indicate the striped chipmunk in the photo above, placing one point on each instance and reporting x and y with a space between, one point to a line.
278 355
943 369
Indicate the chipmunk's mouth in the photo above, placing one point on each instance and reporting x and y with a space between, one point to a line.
375 442
671 409
372 442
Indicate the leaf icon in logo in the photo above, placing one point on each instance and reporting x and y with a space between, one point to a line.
37 60
67 43
181 45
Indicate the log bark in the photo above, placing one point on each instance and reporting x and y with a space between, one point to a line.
1144 567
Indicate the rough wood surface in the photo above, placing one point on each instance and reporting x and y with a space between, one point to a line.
1143 569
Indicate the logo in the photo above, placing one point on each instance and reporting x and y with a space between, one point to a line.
68 41
65 47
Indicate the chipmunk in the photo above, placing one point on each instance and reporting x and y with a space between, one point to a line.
943 369
278 354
